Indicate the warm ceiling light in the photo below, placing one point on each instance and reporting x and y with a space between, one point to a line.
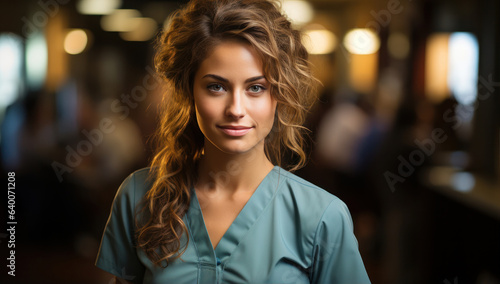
97 7
361 41
145 29
300 12
319 41
75 41
436 67
120 20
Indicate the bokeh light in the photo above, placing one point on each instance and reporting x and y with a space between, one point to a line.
75 41
361 41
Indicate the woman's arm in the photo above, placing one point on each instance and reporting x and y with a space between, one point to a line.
337 257
117 253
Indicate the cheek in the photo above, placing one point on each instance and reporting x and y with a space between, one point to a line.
206 111
265 112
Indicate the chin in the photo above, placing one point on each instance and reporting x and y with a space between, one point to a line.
235 147
234 150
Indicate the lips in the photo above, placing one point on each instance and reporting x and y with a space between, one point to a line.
235 130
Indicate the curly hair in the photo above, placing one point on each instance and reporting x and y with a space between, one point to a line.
193 33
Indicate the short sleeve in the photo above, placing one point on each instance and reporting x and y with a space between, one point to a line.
336 254
117 253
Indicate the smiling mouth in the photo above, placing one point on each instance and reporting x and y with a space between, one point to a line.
235 130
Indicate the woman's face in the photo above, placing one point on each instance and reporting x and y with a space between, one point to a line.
234 107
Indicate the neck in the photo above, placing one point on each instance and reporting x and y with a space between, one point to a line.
220 172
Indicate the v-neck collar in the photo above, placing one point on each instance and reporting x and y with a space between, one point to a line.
240 226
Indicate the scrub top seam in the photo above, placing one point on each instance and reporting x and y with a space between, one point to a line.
313 266
302 182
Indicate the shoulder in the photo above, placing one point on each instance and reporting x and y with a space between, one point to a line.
134 187
140 176
311 209
313 204
304 191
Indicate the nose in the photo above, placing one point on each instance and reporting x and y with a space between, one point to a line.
236 104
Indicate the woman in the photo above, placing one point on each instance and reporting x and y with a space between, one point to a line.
216 206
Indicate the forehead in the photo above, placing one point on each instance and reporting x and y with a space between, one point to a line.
231 58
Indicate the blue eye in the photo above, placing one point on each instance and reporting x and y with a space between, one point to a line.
215 88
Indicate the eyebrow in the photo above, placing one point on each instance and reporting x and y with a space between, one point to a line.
222 79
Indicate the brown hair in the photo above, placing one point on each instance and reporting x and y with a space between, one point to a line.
194 31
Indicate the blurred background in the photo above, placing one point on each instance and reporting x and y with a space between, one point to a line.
407 130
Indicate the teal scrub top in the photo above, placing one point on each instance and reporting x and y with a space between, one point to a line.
290 231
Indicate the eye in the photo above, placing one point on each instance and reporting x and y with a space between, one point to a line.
215 88
256 88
